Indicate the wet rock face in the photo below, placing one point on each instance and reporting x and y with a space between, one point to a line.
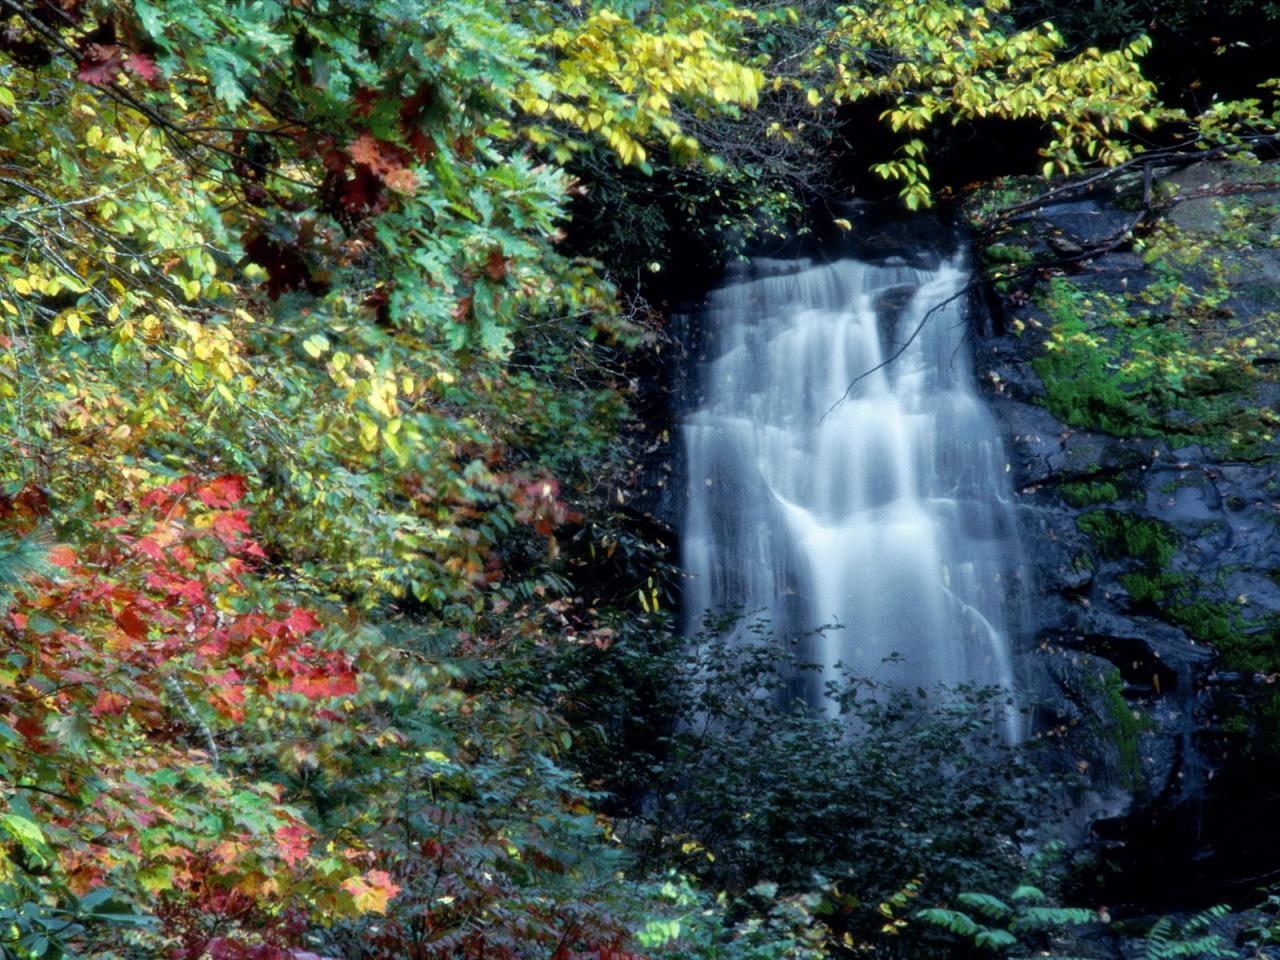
1136 394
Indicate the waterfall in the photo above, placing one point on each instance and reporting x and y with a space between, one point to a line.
887 510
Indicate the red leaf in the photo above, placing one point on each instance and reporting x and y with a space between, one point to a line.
314 684
132 623
362 193
109 704
402 181
294 842
364 149
32 729
302 622
154 498
101 64
149 548
143 67
496 265
371 892
230 524
224 491
286 268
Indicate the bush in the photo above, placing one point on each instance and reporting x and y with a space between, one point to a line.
882 791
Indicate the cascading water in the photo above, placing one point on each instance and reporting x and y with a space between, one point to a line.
886 510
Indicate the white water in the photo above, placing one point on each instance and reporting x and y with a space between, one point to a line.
889 514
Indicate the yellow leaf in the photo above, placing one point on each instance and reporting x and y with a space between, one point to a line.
316 345
156 879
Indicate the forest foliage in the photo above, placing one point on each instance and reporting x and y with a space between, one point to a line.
316 407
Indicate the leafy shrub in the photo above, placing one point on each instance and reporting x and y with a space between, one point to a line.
883 790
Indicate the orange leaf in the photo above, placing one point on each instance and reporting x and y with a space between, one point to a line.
62 556
371 892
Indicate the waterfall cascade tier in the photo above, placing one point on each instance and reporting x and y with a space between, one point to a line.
887 510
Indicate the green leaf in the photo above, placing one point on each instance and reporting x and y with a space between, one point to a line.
995 939
26 832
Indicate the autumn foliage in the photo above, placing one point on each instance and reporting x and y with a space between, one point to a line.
122 671
317 430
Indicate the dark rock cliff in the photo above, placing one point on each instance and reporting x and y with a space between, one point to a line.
1130 352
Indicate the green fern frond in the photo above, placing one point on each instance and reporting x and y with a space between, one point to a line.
986 904
22 559
950 920
995 939
1202 921
1028 894
1167 940
1045 918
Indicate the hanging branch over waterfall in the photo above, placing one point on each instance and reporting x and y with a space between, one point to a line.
964 291
1067 256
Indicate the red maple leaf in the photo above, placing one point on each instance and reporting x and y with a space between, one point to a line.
109 703
101 63
224 491
149 548
142 67
131 622
231 524
301 622
294 842
32 730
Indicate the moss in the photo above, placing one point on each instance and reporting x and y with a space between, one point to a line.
993 196
1121 535
1237 724
1008 254
1083 494
1251 646
1165 361
1152 589
1122 727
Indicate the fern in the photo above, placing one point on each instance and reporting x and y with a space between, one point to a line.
22 559
995 939
1046 918
1028 894
987 905
952 921
1031 913
1167 940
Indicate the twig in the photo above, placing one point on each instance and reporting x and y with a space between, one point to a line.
967 289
